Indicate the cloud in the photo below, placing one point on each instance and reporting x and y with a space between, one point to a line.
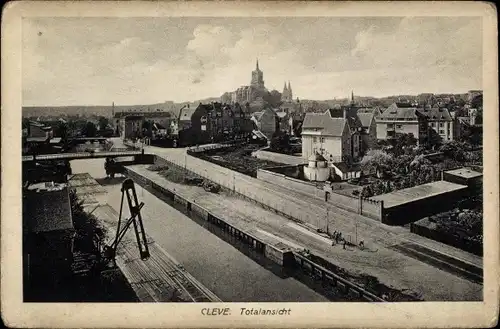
128 62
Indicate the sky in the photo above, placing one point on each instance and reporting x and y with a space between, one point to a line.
97 61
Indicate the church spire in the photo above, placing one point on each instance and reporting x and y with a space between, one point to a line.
285 87
289 86
257 64
352 96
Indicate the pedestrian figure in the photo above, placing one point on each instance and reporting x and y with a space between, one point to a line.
344 244
362 244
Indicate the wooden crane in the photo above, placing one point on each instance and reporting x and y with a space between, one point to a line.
135 219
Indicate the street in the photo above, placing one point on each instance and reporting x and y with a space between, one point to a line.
218 265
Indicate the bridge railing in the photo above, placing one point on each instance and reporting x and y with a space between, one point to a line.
79 155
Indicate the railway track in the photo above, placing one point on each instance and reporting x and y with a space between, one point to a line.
441 261
160 278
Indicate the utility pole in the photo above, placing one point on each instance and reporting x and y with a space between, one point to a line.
356 233
327 231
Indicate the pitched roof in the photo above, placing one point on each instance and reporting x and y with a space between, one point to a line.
365 118
329 126
257 115
186 113
441 114
350 115
395 112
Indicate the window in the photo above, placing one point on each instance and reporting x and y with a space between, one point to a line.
441 131
322 139
314 140
399 126
440 125
433 125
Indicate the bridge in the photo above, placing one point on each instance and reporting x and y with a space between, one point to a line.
80 155
89 139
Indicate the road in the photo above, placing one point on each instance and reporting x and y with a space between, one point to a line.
391 267
219 266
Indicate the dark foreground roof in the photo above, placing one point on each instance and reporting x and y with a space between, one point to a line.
47 211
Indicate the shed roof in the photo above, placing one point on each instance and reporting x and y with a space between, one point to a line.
418 192
464 172
48 210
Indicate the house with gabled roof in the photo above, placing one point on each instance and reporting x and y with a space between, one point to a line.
333 135
402 119
440 120
266 121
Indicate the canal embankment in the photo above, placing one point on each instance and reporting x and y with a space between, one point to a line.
236 231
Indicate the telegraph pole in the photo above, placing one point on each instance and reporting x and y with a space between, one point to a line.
327 231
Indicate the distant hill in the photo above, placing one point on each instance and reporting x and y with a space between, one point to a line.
174 108
106 111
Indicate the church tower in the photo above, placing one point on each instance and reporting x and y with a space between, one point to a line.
257 77
287 95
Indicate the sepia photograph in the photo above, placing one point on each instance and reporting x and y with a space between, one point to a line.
210 157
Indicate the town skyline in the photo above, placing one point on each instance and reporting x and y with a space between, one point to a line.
207 57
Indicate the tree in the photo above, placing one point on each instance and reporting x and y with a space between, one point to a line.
433 139
273 98
103 123
454 150
280 142
403 142
376 161
89 130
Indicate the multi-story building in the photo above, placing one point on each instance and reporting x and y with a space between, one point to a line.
266 121
440 120
402 119
335 137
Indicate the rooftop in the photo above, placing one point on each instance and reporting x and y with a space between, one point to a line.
436 113
47 208
465 173
186 113
418 192
329 126
396 112
365 118
345 168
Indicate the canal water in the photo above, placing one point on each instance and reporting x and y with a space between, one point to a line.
228 267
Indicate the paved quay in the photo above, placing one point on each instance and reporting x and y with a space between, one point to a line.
157 279
389 266
351 225
218 265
